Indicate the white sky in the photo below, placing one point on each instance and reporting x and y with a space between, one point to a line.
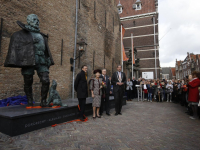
182 19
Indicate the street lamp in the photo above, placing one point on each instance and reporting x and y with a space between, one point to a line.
82 45
82 48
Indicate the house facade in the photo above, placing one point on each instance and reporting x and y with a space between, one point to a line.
185 67
140 18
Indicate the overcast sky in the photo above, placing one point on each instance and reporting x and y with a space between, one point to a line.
182 19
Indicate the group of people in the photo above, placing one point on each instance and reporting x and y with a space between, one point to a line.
186 91
154 90
100 88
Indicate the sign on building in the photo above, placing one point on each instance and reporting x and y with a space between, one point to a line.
147 75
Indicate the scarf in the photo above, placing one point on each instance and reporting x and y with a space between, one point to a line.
31 29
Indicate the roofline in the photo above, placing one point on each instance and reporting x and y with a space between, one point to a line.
138 16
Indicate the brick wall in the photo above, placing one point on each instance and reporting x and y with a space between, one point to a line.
57 19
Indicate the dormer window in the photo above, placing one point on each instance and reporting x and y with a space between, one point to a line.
120 8
138 4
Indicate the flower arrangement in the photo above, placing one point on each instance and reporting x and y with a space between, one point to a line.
103 84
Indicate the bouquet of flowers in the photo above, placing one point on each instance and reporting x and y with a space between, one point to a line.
103 84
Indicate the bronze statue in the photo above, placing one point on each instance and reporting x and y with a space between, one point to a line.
29 50
54 96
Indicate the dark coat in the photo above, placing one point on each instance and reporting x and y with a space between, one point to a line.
150 89
21 51
81 86
107 84
134 83
115 79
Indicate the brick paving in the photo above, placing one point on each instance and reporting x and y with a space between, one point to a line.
142 126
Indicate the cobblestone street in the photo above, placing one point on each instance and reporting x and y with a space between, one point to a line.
142 126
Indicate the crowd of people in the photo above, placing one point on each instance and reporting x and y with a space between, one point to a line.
185 92
101 86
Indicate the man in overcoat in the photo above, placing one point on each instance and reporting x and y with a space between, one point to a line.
81 88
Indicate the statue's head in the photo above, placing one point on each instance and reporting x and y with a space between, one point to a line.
54 84
33 21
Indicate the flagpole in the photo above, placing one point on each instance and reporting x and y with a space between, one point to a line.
132 52
121 48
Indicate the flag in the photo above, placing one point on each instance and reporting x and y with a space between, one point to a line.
124 54
133 57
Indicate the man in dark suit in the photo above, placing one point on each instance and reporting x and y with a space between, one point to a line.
134 88
106 93
118 80
82 90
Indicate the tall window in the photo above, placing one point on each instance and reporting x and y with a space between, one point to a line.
94 10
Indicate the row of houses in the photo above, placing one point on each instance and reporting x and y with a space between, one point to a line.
187 66
183 68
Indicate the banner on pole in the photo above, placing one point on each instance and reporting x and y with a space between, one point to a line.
133 56
124 54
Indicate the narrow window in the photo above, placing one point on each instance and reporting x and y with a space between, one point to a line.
112 65
93 59
113 24
94 10
104 60
105 18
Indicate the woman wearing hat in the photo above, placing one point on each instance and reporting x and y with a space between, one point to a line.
95 87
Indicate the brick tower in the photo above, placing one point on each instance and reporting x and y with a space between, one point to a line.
140 17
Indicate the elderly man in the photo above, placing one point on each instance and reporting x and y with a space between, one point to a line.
106 93
29 50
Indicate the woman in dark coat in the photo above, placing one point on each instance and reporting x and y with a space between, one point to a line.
95 87
193 95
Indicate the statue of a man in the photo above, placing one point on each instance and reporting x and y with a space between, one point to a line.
29 50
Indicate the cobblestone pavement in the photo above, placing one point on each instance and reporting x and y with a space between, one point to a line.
142 126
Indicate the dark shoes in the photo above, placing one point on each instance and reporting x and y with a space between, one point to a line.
107 114
116 114
120 113
99 116
82 119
